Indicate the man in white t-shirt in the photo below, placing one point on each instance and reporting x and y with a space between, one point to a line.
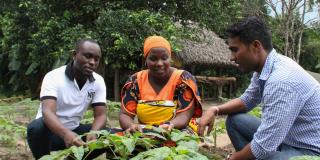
66 93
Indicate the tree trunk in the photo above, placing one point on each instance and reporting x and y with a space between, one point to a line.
318 11
301 31
292 37
193 70
286 39
116 85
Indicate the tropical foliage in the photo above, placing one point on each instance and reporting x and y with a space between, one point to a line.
37 36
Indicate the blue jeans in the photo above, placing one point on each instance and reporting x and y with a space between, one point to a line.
41 140
241 128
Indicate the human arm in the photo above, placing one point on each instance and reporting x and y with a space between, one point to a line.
98 104
248 100
282 104
53 123
127 122
49 92
129 100
279 99
99 122
207 119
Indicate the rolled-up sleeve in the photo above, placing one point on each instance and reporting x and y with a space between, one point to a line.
281 106
251 97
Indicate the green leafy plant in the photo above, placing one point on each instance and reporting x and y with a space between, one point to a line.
14 114
154 143
10 132
219 128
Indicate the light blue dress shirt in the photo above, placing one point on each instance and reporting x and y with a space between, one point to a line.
290 100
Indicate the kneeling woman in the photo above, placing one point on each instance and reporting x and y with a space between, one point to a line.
160 95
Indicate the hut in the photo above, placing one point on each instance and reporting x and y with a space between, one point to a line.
209 50
212 52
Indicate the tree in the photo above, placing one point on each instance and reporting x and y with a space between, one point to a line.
123 33
256 8
291 17
215 15
38 36
310 57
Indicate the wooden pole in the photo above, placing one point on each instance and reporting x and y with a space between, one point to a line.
116 85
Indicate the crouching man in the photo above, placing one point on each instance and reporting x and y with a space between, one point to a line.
66 93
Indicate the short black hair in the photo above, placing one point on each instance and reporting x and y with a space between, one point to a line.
81 41
250 29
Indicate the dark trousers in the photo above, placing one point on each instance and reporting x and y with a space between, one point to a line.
41 140
241 128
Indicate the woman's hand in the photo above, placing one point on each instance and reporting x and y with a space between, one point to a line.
167 126
134 128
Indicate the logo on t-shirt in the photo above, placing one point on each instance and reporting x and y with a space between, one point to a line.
91 94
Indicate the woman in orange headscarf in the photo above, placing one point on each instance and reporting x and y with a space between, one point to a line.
160 95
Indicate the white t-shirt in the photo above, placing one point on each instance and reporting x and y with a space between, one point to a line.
71 101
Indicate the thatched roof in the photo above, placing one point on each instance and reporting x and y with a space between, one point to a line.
210 50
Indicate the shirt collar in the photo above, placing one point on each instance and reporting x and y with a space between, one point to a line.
267 68
70 75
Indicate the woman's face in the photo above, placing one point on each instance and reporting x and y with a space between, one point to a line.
158 62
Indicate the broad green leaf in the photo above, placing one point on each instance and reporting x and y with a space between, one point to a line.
129 143
181 157
156 154
31 68
78 152
155 135
93 145
191 153
176 136
14 65
193 145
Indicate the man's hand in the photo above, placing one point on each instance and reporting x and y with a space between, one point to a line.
235 156
207 119
134 128
72 139
167 127
245 153
91 137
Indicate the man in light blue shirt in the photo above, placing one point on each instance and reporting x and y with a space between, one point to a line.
289 96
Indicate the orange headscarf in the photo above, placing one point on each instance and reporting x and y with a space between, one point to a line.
153 42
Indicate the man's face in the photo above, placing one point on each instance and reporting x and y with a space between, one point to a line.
243 55
87 59
158 62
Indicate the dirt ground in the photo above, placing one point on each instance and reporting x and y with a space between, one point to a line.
223 140
22 152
